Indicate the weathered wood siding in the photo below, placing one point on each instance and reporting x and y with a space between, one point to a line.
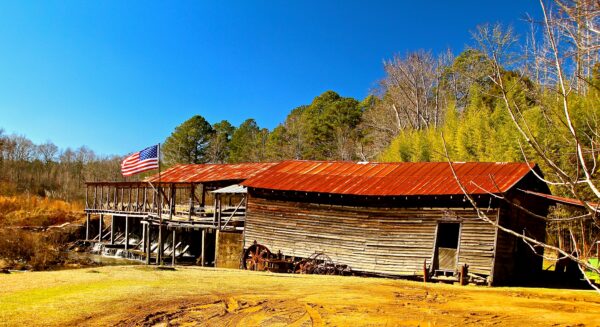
370 239
515 261
477 239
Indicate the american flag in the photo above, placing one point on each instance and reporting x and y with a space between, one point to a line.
140 161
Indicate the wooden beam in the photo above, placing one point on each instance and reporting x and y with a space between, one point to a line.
154 200
174 247
148 243
202 253
218 211
192 188
215 209
137 199
203 200
100 228
144 200
143 238
172 201
122 199
161 246
101 197
129 202
87 227
112 229
95 196
126 233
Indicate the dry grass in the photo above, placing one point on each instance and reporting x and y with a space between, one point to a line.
146 296
26 250
36 250
25 210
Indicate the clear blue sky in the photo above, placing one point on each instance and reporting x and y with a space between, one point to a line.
117 76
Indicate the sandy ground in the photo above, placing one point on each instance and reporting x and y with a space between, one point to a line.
129 296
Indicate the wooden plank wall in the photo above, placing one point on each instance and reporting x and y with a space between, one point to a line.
392 241
515 261
477 242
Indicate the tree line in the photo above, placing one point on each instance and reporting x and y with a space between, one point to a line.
45 170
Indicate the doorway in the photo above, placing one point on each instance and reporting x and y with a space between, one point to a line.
446 247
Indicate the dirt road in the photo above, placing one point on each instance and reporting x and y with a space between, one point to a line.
129 296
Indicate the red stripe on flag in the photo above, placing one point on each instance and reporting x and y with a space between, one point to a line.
132 164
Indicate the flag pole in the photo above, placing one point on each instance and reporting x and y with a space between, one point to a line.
160 207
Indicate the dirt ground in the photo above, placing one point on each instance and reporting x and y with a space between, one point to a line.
130 296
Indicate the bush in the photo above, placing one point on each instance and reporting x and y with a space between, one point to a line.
21 249
37 211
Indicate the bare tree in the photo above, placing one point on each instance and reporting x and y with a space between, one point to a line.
496 42
411 96
47 151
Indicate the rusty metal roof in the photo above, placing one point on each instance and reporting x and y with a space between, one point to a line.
562 200
202 173
390 179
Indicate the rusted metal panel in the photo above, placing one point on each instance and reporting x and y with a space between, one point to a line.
201 173
390 179
560 199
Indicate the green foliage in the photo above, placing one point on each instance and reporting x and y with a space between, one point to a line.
219 142
247 143
330 123
483 131
189 143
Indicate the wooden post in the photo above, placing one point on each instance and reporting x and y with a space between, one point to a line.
87 191
95 196
464 270
218 210
108 197
87 227
160 240
191 201
129 201
100 228
112 229
148 244
425 272
203 200
101 197
161 247
137 198
143 238
203 247
172 201
144 199
215 210
115 206
126 233
173 246
218 233
153 201
122 199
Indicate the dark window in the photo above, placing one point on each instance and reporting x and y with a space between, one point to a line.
448 235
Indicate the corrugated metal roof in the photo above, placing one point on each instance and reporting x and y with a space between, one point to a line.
390 179
231 189
560 199
202 173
